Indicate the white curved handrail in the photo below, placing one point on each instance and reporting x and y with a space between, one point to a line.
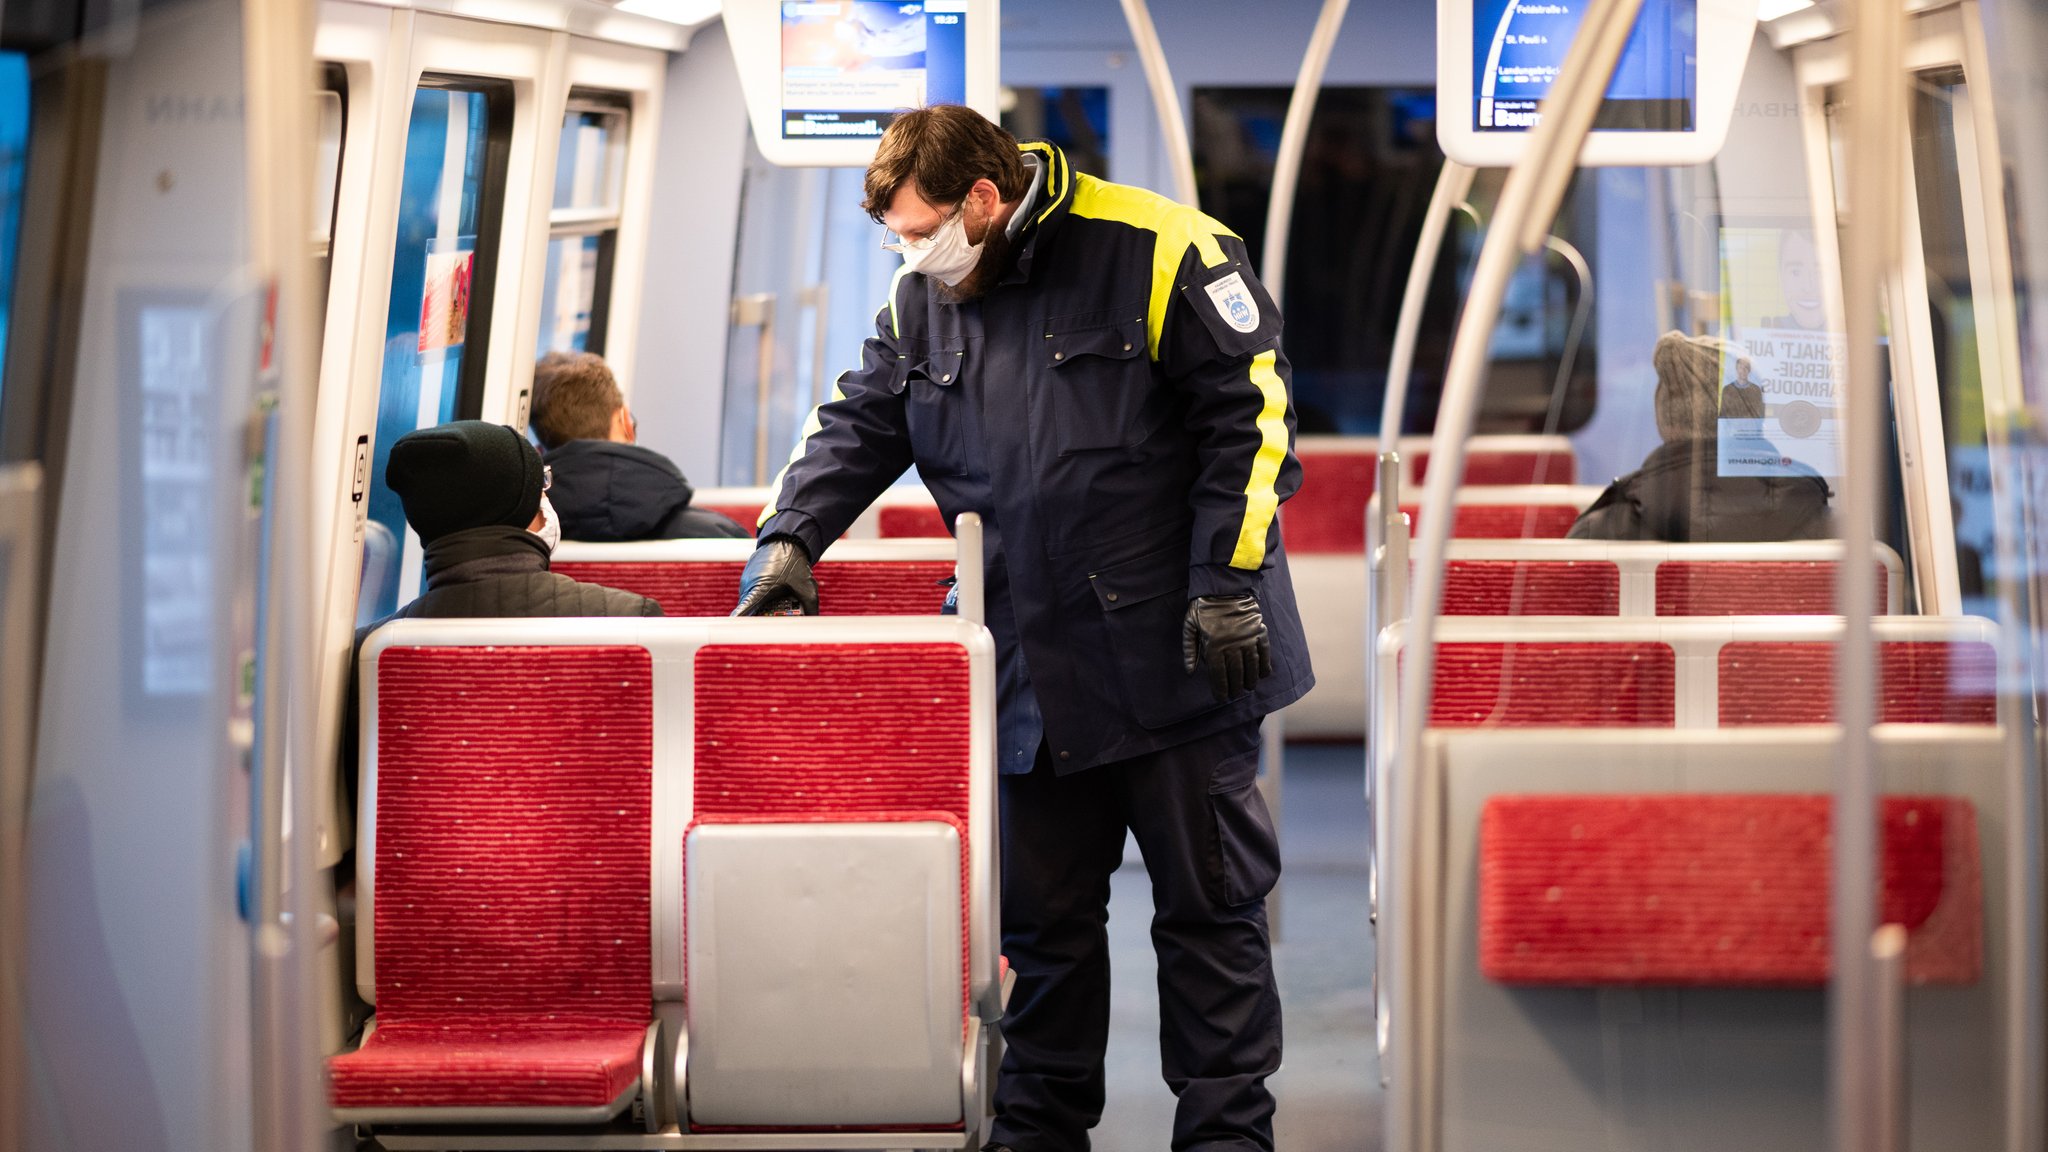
1301 108
1453 184
1528 204
1173 126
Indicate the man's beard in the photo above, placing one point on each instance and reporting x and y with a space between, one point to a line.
995 257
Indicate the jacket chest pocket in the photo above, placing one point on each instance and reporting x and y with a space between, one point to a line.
1099 382
936 408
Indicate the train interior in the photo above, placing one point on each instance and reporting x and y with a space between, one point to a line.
1596 835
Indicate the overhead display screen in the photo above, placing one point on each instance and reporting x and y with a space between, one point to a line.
848 66
1518 47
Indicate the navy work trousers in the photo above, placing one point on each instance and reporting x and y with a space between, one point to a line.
1212 854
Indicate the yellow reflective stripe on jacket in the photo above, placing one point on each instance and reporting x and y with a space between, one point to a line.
1174 227
1259 499
815 422
1056 176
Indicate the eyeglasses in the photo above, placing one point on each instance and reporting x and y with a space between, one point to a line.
923 243
547 477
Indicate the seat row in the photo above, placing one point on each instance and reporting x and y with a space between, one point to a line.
735 877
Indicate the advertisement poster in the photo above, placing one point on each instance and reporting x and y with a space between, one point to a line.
444 301
1783 370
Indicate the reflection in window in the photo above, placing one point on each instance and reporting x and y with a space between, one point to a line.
1369 166
1076 119
438 276
13 171
583 224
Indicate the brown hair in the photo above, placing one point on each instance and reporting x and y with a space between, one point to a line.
574 396
945 148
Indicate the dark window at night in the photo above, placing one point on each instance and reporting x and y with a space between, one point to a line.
1368 170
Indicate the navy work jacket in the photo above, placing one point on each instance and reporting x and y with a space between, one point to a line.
1116 409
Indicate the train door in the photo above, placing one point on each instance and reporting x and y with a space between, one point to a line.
135 346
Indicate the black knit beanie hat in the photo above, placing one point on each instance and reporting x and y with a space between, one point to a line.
467 474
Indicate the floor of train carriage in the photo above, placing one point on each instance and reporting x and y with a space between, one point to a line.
1328 1087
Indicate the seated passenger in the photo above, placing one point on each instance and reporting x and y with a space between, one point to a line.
476 493
607 487
1678 494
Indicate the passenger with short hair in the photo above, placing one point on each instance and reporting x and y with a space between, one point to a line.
477 495
1679 494
607 487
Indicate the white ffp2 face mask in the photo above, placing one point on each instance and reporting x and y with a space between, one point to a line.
550 527
950 258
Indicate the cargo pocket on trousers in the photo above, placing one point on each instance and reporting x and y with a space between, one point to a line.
1246 853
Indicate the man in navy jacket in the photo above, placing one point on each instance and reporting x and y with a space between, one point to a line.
607 487
1095 370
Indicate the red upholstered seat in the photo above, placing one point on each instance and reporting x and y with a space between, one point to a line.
1497 468
885 736
746 514
1751 587
511 905
1532 588
1327 514
913 520
1611 685
1711 889
1919 682
1505 521
523 1063
711 588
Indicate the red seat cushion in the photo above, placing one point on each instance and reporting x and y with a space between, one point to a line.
1532 588
513 810
712 587
912 520
1327 514
746 514
1617 685
520 1063
884 736
1751 587
1711 889
1919 682
1505 521
1496 468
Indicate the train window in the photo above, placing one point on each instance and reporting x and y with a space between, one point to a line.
450 204
583 224
1076 119
1371 161
14 93
1952 311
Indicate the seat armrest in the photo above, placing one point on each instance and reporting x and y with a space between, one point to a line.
650 1052
679 1076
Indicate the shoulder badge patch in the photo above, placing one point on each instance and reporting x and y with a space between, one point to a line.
1234 302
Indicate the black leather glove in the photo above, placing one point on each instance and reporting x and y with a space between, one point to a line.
1226 635
777 575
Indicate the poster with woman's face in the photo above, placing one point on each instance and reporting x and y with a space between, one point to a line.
1784 364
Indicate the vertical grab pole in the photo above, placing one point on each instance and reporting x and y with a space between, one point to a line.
758 310
967 573
1870 255
290 1110
1173 126
1528 205
1453 184
1888 966
21 518
1301 108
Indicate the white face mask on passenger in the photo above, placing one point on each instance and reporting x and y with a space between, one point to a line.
550 528
950 257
